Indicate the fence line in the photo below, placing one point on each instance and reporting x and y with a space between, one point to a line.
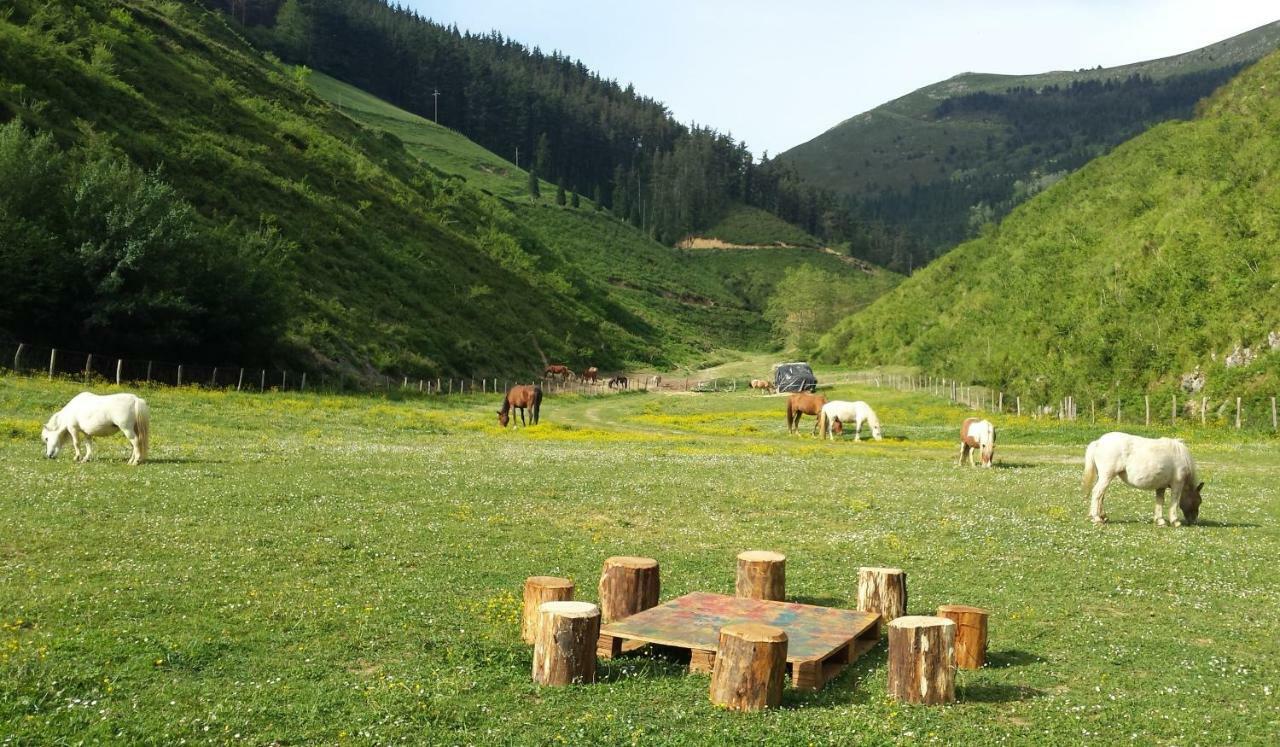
1232 412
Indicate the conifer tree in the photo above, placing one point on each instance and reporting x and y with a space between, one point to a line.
534 191
574 200
560 196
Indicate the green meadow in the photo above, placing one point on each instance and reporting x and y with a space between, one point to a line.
346 569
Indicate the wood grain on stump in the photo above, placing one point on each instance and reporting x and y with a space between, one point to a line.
628 585
922 659
762 575
971 634
564 649
750 662
539 589
883 591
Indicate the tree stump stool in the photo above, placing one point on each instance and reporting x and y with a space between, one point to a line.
883 591
539 589
971 634
751 659
922 656
564 647
628 585
761 575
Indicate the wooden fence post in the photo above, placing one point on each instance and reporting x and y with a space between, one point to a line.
284 380
263 386
53 357
214 383
1237 413
17 357
1173 410
88 362
1093 414
1117 409
119 366
1273 414
1019 401
1204 405
148 372
1146 400
240 381
304 381
179 374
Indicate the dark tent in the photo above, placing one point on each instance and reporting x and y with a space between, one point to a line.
794 377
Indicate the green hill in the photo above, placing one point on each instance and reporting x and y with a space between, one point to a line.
1160 257
946 158
377 256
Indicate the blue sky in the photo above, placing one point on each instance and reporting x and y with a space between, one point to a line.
779 73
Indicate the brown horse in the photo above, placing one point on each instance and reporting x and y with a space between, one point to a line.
591 374
764 384
559 370
521 396
803 404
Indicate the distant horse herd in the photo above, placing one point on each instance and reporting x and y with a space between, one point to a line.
1164 465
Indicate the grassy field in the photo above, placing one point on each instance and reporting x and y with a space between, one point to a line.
302 568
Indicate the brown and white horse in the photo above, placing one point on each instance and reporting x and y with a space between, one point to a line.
591 374
980 436
521 396
803 404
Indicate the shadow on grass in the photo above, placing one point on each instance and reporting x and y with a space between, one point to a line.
185 460
1211 524
996 693
1010 658
650 662
849 687
1014 465
820 601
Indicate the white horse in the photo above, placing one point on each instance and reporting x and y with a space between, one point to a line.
838 412
1157 464
88 415
980 436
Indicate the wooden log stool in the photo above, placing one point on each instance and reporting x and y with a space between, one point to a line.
751 659
761 575
922 659
883 591
628 585
564 647
539 589
971 634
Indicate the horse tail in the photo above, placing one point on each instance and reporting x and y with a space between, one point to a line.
142 426
791 411
537 403
1090 468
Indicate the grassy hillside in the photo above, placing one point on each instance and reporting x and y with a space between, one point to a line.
1155 259
752 226
298 569
925 160
386 260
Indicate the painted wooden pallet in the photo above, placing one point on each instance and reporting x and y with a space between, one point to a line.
821 641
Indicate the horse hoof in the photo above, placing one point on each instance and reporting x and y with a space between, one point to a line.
1177 523
1160 522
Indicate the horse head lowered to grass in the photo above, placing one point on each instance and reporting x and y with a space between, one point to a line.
88 415
521 396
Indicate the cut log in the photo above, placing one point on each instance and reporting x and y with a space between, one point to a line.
750 662
539 589
628 585
762 575
564 651
883 591
971 634
922 659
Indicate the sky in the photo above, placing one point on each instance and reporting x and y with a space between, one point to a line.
777 73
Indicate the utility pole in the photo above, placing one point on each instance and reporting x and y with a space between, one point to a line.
436 98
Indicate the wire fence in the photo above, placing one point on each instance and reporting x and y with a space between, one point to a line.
1168 408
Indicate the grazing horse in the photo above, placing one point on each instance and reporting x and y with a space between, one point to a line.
559 370
977 435
618 382
764 384
88 415
835 414
803 404
1157 464
591 374
521 396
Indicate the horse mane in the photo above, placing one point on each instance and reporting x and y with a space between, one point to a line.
871 416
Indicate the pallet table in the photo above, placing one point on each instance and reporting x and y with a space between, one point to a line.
822 641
